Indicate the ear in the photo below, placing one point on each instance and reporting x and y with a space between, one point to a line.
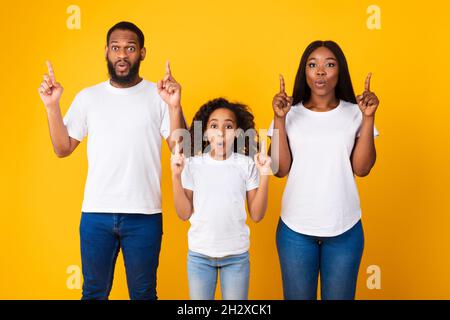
143 53
106 52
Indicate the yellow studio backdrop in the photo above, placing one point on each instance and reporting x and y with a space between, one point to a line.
234 49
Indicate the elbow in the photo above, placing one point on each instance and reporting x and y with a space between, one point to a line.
61 153
257 217
361 173
280 173
184 216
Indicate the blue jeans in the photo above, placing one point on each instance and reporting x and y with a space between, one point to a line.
102 235
234 274
337 259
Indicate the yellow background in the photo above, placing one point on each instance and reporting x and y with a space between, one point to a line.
234 49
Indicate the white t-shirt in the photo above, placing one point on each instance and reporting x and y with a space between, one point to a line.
219 188
124 146
321 197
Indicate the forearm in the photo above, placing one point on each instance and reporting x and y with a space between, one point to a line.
279 149
364 153
177 121
258 206
183 205
58 132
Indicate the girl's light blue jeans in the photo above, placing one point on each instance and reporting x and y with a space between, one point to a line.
203 272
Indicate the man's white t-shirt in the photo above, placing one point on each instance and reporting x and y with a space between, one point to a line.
219 188
124 128
321 197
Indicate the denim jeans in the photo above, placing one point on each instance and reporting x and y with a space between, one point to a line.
303 257
102 235
234 272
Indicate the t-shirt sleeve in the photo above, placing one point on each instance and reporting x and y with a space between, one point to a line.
165 122
186 176
75 119
270 130
253 176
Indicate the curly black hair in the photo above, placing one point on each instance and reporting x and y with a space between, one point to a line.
245 121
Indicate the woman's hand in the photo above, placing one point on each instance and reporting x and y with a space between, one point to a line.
367 101
281 103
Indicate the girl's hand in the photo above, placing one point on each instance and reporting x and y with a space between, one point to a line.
177 161
263 161
368 101
281 103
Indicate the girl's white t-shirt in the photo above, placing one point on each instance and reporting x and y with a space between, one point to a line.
218 223
321 197
125 129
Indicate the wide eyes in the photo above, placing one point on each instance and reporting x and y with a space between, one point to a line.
215 126
328 65
129 49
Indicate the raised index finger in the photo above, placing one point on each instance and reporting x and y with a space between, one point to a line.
282 86
367 84
263 147
168 71
177 148
51 73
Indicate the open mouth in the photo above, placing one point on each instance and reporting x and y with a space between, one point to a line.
122 66
320 83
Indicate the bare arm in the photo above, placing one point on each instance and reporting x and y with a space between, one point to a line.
50 92
279 150
364 153
257 199
182 197
170 91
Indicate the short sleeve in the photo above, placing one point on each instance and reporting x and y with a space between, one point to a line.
186 176
270 130
75 119
165 121
253 176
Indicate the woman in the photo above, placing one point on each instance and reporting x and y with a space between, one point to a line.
322 141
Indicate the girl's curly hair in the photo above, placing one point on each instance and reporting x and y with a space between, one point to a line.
245 121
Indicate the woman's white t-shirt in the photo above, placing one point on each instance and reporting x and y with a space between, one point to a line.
125 129
321 197
218 223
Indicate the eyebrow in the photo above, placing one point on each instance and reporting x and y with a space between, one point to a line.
329 58
115 41
218 120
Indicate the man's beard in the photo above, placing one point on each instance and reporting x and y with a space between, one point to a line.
127 79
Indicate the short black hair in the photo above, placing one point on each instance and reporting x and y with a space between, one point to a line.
125 25
344 87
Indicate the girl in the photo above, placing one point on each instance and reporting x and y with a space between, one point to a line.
325 139
211 190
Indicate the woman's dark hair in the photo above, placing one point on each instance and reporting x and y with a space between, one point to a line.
244 119
344 88
125 25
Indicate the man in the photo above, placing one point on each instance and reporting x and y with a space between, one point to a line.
125 118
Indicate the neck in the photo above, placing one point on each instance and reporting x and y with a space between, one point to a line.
220 156
130 84
322 103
